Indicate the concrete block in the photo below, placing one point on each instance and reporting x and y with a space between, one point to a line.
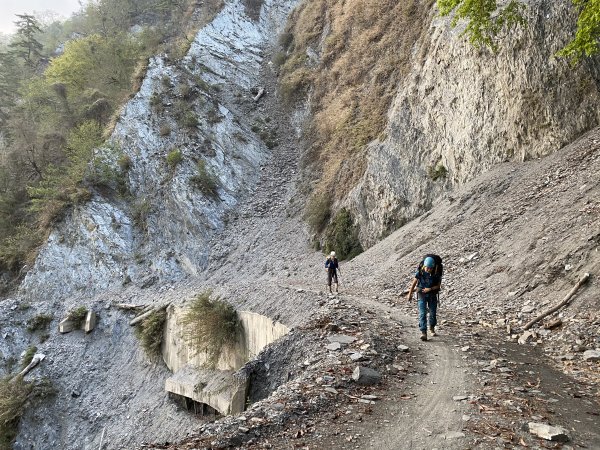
66 326
90 321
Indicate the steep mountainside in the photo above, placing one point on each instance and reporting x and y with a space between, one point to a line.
461 110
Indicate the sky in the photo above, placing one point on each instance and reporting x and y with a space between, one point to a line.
8 9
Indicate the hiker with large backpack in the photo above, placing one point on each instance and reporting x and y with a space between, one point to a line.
332 266
427 282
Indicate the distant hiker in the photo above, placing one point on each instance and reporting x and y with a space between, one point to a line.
427 282
331 266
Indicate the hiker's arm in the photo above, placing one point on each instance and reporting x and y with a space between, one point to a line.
412 288
431 289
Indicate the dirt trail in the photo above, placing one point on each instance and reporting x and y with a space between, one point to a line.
420 413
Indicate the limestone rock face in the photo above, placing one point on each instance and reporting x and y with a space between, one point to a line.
161 228
463 110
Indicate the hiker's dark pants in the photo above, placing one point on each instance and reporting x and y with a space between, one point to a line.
331 275
427 303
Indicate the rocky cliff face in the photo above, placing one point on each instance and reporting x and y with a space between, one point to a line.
185 114
462 110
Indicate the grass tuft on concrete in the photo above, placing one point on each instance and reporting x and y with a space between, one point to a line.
210 325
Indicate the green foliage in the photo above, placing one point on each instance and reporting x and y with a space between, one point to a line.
43 170
14 394
174 157
318 211
124 163
205 181
18 248
587 35
77 316
96 62
39 322
484 18
140 213
437 172
165 129
189 120
210 325
62 187
342 236
28 356
109 168
26 46
150 333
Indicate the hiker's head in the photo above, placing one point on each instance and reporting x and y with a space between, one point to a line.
429 263
332 254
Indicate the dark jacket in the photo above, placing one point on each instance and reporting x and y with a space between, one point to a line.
331 264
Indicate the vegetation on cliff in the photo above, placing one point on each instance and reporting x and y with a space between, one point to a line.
61 87
485 20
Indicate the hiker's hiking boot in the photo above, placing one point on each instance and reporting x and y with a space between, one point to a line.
432 331
424 335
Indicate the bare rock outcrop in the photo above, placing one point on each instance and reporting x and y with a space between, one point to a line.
462 110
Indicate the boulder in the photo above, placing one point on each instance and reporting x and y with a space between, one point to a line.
366 376
548 432
591 355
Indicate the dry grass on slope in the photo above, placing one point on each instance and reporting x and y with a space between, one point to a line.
366 49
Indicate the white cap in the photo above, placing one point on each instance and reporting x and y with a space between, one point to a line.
332 254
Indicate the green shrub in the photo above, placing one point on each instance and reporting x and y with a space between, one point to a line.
13 396
150 333
437 172
77 316
62 187
279 59
104 172
39 322
210 325
174 157
342 236
318 211
28 356
213 116
285 40
124 163
140 213
205 181
189 120
156 101
20 248
164 129
294 86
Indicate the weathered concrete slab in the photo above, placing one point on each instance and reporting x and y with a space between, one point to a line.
66 326
256 332
219 389
90 321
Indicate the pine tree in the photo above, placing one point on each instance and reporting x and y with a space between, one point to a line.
26 46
